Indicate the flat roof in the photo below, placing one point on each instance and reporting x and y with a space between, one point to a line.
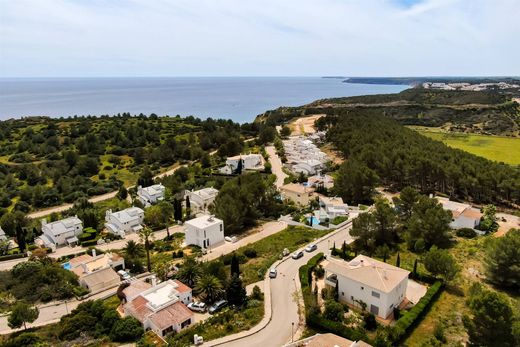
204 221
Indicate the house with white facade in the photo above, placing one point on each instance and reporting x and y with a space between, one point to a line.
124 222
331 207
303 156
205 231
463 215
151 195
159 307
321 180
249 162
299 193
202 199
381 286
3 236
61 232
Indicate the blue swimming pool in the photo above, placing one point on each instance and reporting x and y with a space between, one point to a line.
66 266
315 221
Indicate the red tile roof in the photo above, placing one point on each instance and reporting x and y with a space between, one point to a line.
173 314
182 288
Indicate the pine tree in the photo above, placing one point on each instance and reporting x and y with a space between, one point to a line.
239 168
235 266
235 292
398 260
188 206
20 238
415 268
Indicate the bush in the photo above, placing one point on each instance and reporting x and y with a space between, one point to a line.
12 256
257 294
89 243
126 330
412 317
24 339
370 322
319 323
250 253
334 311
466 232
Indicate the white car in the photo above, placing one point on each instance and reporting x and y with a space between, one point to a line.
124 275
197 306
231 239
297 255
311 248
273 273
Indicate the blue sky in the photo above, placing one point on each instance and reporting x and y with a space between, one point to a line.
47 38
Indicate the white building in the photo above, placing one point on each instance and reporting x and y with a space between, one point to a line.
463 215
381 286
159 307
303 156
151 195
249 162
332 207
202 199
124 222
321 180
3 236
61 232
205 231
97 272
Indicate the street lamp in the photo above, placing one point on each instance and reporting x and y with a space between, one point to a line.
292 332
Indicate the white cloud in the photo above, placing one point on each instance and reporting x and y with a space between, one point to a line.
233 37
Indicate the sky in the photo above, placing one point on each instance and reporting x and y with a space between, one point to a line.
75 38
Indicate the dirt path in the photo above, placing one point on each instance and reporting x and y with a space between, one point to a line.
276 166
304 125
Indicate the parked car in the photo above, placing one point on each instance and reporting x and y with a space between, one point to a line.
231 239
273 272
311 248
197 306
219 305
285 252
297 255
124 275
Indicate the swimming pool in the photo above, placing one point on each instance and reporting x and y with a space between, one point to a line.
66 266
315 221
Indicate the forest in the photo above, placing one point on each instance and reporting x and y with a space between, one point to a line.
45 162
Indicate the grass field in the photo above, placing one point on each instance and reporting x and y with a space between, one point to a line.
497 148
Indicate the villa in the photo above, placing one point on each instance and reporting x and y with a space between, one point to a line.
249 162
298 193
3 237
205 231
61 232
159 307
202 199
463 215
303 156
124 222
380 286
321 180
151 195
331 207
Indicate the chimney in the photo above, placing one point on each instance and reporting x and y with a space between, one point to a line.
154 281
93 252
84 266
431 196
210 218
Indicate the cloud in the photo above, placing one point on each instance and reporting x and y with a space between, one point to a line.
233 37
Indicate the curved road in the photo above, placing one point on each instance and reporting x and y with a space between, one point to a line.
284 300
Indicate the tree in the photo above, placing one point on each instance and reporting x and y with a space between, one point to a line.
488 222
126 330
502 260
188 206
236 293
285 131
370 322
189 272
145 178
153 216
209 287
122 194
133 250
235 265
146 235
334 311
177 209
441 262
238 170
20 237
406 202
398 260
414 272
21 314
492 321
355 182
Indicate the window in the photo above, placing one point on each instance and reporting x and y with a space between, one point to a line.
342 293
362 288
376 294
220 227
352 297
204 233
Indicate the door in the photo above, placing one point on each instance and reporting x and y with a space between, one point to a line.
374 309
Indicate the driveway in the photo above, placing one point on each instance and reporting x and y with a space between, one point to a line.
285 300
276 166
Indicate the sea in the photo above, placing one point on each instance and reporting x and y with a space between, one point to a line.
238 98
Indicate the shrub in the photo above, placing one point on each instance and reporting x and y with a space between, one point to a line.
250 253
317 322
466 232
370 322
319 271
126 329
257 294
89 243
334 311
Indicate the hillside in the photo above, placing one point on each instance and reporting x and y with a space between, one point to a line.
479 112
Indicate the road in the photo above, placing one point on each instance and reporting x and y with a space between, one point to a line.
284 301
276 166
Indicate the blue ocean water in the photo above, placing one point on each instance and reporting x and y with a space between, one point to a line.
236 98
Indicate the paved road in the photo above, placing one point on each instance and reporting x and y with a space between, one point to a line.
276 166
285 295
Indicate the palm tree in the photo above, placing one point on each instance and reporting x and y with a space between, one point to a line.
189 272
210 288
133 250
146 235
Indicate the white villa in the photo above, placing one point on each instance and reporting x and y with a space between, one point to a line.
61 232
124 222
159 307
322 180
205 231
381 286
3 237
303 156
464 216
151 195
201 199
249 162
97 272
331 207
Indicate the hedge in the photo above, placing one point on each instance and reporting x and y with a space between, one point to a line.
12 256
413 316
89 243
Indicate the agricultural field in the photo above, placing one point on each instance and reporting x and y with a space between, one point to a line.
497 148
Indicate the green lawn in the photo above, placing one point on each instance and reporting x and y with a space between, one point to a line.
497 148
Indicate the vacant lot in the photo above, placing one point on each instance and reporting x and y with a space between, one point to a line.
497 148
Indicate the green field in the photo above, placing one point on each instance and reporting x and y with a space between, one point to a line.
497 148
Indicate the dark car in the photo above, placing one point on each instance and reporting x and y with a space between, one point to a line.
219 305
